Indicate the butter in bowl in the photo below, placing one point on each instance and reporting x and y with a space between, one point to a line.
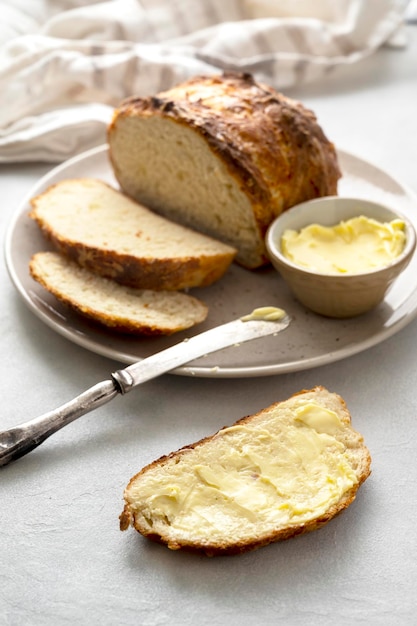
339 256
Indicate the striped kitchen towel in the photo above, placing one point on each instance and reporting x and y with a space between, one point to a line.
65 65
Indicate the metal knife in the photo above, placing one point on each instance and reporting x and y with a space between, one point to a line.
18 441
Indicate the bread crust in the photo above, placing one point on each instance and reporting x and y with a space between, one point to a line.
229 546
271 145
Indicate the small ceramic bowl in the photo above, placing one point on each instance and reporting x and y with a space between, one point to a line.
344 295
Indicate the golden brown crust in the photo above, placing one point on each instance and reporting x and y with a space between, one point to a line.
158 274
128 518
272 145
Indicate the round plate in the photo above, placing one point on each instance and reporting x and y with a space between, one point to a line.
309 341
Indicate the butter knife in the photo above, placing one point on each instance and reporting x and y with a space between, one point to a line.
20 440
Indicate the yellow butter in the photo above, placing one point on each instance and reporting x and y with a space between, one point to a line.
252 477
350 247
321 419
267 313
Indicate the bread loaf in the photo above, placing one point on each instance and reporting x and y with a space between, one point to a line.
222 154
287 470
110 234
120 308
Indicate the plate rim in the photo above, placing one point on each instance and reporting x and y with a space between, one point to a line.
194 370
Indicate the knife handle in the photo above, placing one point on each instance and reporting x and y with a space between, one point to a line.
18 441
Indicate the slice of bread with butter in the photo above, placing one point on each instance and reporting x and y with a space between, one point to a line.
284 471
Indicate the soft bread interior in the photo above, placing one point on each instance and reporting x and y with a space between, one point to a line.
169 167
90 212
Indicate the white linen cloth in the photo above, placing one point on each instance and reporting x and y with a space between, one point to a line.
65 64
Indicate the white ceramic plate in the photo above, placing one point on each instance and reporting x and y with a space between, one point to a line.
310 340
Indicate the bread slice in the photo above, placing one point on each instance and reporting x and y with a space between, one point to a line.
223 154
284 471
124 309
106 232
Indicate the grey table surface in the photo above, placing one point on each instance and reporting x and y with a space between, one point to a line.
64 560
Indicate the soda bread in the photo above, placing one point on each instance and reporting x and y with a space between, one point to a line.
287 470
125 309
110 234
222 154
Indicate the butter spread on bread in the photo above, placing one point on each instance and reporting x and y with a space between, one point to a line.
120 308
110 234
286 470
223 154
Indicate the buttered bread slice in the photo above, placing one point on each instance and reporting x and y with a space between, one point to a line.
110 234
287 470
